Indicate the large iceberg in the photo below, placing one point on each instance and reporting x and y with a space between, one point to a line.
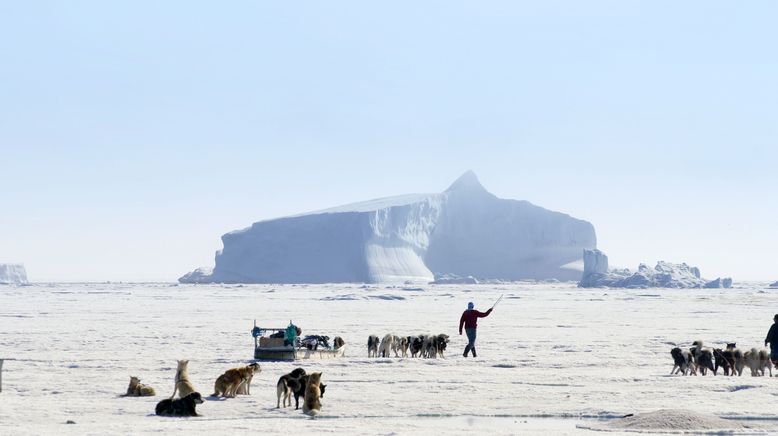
663 275
464 231
12 274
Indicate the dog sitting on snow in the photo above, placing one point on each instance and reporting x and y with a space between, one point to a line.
182 384
313 393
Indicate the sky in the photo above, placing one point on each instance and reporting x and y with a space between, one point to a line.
134 134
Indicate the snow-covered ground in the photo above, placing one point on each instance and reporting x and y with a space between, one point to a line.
551 356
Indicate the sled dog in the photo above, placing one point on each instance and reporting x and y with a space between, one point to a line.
137 389
182 384
387 345
184 406
683 362
312 400
245 387
372 346
286 385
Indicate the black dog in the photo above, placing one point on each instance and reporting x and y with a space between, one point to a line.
415 344
684 362
724 359
298 388
703 358
181 407
441 343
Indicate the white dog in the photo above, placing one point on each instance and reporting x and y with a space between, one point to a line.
387 345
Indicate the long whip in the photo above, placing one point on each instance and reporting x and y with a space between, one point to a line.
498 300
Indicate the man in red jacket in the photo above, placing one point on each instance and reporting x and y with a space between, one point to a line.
469 319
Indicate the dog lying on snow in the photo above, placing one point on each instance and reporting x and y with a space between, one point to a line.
372 346
230 383
182 407
136 389
683 362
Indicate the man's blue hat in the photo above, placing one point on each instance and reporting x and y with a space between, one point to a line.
470 306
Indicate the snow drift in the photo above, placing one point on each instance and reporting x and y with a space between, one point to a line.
464 231
12 274
663 275
672 421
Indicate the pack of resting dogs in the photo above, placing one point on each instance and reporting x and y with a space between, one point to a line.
234 382
731 360
297 384
429 346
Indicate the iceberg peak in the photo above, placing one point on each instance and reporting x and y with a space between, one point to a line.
467 181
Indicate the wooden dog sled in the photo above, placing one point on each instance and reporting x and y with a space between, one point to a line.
288 347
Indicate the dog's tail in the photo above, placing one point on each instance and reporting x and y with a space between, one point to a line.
313 413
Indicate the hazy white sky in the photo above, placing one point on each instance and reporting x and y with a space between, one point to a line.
133 135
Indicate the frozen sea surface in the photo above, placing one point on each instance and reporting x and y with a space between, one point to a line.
551 356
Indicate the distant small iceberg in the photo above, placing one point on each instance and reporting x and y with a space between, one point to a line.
453 279
664 275
12 274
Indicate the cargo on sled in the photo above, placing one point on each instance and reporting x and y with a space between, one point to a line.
286 343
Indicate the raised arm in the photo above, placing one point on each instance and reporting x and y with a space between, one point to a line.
484 314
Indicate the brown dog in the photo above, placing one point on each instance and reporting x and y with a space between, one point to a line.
182 384
245 387
229 383
312 400
137 389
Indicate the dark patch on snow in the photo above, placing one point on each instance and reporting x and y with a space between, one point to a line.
740 388
386 297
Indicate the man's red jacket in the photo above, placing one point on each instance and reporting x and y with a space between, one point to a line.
470 318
